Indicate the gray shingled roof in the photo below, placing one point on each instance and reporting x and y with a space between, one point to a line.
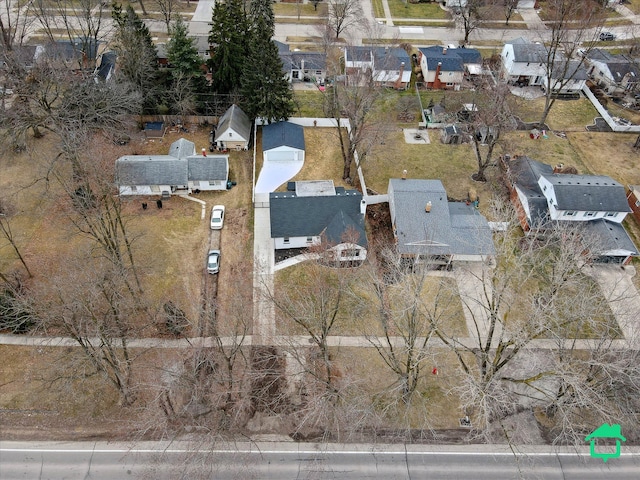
208 168
525 173
390 58
281 134
359 54
235 119
571 71
529 53
591 193
608 236
151 170
450 228
333 215
450 62
182 148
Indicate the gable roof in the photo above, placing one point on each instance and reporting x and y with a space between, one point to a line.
107 65
151 170
571 70
529 52
298 60
358 54
525 173
596 193
281 134
449 62
331 215
608 236
619 65
234 118
208 168
450 228
385 58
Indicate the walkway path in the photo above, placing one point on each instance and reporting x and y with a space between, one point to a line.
531 18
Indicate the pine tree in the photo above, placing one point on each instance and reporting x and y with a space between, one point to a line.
229 37
262 9
265 90
137 55
182 54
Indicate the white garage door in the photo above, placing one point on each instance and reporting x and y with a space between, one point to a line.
281 156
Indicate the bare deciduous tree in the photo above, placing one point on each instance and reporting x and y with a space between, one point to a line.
572 25
167 9
343 15
468 17
15 20
6 212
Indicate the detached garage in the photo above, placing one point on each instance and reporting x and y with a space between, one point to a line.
283 142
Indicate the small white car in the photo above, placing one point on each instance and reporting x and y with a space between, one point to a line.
217 217
213 261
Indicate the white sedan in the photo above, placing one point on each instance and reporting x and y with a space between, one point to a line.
217 217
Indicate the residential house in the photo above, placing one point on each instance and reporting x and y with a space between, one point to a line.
426 224
524 63
23 55
282 142
201 42
391 67
541 194
304 66
318 213
180 171
615 73
358 58
162 55
233 130
440 68
567 77
633 199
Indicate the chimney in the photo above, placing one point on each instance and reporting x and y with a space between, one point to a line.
427 208
399 80
204 152
558 168
444 50
404 174
436 81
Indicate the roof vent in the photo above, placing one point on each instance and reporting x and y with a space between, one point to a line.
427 208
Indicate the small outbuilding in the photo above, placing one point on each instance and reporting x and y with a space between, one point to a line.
234 130
283 142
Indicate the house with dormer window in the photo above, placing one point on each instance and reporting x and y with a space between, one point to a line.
543 194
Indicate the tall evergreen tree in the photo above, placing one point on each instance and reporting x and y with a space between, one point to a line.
182 54
262 9
266 92
228 35
137 55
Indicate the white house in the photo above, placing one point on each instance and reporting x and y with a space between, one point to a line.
541 194
356 57
441 67
181 171
318 213
391 67
524 62
615 73
567 77
234 130
283 141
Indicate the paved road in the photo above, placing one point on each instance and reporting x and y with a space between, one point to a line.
288 460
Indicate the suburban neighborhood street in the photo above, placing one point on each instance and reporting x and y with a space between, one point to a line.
285 461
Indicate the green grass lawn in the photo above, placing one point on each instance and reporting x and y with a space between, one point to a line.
302 9
401 9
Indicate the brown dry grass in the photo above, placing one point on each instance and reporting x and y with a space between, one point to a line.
433 404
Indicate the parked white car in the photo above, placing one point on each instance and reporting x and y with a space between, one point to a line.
217 217
213 261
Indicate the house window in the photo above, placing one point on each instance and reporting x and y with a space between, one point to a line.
231 134
155 188
544 189
309 239
449 84
637 203
286 240
295 74
570 213
318 72
589 214
215 183
196 183
134 188
612 214
350 253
